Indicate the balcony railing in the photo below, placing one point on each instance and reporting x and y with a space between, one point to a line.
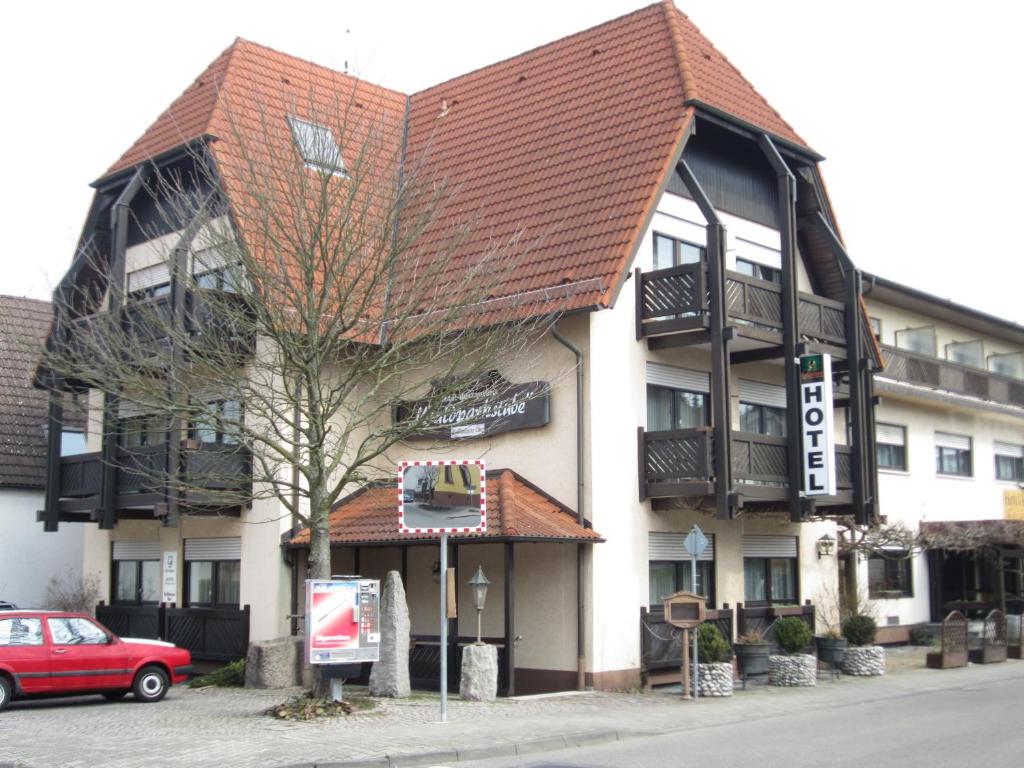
934 373
676 299
681 462
207 471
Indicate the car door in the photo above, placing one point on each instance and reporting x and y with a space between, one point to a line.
24 653
83 656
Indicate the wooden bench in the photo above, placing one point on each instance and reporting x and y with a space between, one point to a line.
952 643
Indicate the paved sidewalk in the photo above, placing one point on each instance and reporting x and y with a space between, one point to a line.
225 727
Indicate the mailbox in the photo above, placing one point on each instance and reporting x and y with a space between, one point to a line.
684 610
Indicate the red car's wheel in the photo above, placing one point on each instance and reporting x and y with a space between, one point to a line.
150 684
5 692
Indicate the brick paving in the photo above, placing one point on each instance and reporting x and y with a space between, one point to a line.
227 727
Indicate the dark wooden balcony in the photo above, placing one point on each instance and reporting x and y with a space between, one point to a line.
210 476
680 463
934 373
676 300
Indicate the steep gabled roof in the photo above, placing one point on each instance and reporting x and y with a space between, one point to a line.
516 510
561 151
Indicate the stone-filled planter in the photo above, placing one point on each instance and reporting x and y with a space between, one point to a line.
715 679
864 660
831 649
751 658
798 670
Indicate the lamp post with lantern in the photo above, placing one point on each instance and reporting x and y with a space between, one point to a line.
479 583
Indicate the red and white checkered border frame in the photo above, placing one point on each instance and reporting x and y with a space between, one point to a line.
446 462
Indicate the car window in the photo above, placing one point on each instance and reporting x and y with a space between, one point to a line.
21 632
74 631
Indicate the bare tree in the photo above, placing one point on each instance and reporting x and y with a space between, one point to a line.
309 296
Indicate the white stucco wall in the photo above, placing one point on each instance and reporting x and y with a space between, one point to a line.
30 557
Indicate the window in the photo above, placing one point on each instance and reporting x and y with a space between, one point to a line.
769 569
967 353
219 424
889 575
143 431
210 271
21 632
1009 461
892 446
136 582
760 271
952 454
72 443
675 409
671 252
317 145
149 282
73 631
1010 364
212 583
919 340
668 577
876 328
762 419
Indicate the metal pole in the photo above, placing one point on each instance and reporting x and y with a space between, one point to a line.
693 582
686 663
444 627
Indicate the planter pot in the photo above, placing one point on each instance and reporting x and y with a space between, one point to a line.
864 660
714 679
831 649
799 670
751 658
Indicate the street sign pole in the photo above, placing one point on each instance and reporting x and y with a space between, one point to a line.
695 543
696 671
444 628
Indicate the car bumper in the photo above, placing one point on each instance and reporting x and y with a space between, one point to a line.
181 673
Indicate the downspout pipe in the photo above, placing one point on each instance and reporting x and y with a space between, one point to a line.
581 651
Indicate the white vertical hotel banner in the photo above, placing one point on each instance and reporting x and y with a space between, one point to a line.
818 446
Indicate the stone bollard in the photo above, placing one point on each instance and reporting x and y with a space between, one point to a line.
274 663
800 669
390 675
864 660
479 680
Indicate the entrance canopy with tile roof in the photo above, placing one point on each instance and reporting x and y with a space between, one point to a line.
516 511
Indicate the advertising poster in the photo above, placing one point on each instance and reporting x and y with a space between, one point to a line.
342 619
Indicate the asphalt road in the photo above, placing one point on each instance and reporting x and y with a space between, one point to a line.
978 724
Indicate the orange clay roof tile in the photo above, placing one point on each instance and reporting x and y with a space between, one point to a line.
517 510
561 151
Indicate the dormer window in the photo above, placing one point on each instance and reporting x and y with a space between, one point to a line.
317 145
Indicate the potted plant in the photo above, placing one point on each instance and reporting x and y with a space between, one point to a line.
862 657
751 653
714 671
831 646
795 667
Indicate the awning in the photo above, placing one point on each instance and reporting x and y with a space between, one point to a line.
517 510
970 534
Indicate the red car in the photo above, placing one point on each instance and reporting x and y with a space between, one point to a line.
52 653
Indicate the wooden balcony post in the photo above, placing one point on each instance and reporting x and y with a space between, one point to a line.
54 429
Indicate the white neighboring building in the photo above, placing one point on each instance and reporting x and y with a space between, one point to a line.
950 434
28 556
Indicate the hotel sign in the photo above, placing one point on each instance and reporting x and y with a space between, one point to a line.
818 446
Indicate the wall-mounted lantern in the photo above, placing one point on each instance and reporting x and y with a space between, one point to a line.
826 545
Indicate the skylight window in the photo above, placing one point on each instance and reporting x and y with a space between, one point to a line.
317 145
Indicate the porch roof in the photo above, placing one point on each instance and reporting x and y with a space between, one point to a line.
517 510
969 534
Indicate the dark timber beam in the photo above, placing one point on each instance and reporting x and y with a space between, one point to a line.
510 623
756 355
54 430
118 247
790 320
679 340
721 416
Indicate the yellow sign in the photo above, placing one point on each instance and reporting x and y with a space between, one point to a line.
1013 505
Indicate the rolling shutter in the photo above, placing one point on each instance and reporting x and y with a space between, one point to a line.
669 546
769 546
1009 449
957 442
678 378
213 549
136 550
890 434
759 393
157 274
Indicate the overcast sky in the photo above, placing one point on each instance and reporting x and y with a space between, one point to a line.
916 105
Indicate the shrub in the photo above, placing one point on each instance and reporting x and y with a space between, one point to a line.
859 629
921 636
711 646
229 676
792 634
72 593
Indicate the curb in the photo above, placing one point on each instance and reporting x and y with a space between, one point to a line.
521 748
